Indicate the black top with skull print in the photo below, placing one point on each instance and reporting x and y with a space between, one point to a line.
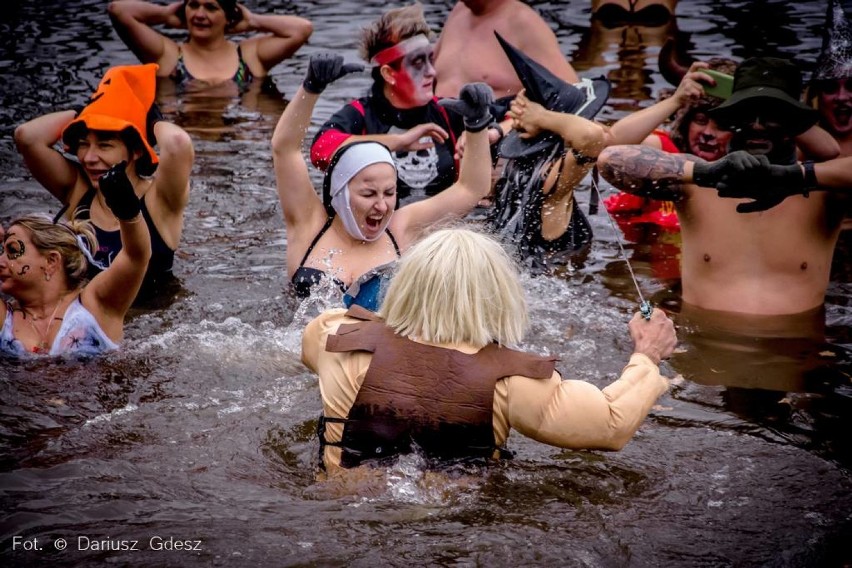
421 173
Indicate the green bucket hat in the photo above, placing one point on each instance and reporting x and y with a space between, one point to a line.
767 82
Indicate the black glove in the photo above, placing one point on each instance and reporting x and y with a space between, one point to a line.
472 105
154 116
326 68
769 189
735 165
119 193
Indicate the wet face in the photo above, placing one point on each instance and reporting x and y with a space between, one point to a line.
413 77
706 138
98 153
20 261
372 197
834 101
205 18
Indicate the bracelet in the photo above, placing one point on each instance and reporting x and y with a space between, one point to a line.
810 178
581 158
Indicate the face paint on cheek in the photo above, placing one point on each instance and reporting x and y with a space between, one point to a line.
417 67
24 269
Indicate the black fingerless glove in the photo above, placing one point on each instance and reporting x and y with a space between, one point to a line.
325 68
154 116
473 105
118 192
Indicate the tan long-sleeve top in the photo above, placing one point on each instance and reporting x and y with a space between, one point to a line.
564 413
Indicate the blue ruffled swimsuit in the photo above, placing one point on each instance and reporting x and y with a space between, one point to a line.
367 291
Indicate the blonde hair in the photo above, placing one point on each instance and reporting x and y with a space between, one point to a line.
61 237
393 27
457 286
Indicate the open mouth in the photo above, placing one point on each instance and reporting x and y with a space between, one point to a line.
95 175
374 223
708 148
843 114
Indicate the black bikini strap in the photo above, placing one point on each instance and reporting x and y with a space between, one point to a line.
393 240
316 240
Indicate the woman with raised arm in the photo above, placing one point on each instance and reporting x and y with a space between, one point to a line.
208 56
401 110
355 230
53 309
120 123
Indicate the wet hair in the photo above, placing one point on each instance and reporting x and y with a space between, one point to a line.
61 237
457 286
232 11
390 29
679 131
129 137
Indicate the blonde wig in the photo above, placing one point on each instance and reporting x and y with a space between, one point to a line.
393 27
457 286
66 238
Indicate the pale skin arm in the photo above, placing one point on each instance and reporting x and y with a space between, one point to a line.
456 201
176 157
132 20
646 171
111 293
286 34
584 136
35 140
300 204
635 127
835 175
817 144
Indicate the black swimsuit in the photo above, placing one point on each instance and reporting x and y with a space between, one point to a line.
613 15
109 243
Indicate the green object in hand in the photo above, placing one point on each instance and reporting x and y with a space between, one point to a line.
724 84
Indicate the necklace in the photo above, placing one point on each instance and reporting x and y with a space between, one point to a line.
42 346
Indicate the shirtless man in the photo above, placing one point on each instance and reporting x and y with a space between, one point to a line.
470 29
769 256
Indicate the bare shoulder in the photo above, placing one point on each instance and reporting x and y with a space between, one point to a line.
523 14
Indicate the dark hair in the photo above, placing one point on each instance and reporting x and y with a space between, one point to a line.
129 137
232 11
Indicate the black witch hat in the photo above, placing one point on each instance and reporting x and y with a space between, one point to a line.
584 99
835 59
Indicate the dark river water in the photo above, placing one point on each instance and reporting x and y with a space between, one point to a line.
200 433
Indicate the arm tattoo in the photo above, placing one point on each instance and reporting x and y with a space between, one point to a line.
644 171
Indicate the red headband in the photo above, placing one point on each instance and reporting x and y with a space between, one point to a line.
401 49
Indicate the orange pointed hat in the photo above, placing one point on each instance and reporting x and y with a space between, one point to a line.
122 100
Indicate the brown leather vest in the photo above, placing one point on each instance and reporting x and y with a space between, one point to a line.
413 395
